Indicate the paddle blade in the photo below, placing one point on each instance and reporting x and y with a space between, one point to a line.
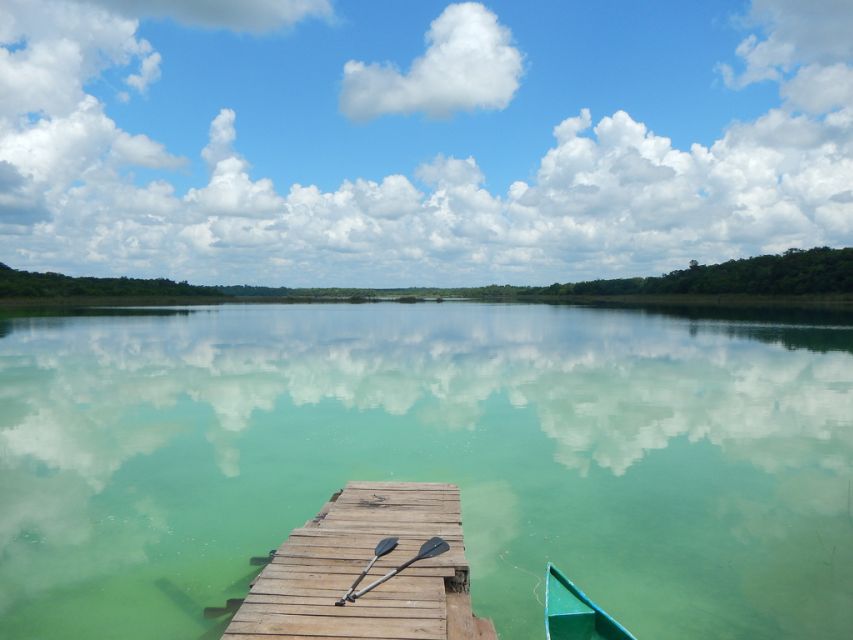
386 546
432 548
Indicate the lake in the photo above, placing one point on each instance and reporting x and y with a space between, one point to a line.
693 475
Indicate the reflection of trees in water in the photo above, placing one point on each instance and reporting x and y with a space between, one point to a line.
811 316
816 339
14 318
818 329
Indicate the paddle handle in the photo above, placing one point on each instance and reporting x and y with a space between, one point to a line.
360 577
385 578
374 584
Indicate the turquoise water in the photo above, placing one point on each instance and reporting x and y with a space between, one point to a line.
691 475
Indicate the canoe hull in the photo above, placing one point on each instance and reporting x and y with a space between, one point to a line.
571 615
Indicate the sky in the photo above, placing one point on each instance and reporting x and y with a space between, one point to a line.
387 143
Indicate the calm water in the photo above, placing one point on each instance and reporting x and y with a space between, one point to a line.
694 476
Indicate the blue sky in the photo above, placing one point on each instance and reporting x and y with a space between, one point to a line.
656 62
336 164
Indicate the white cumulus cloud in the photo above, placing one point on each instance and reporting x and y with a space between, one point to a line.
469 63
222 136
50 48
149 71
820 88
806 47
609 198
231 192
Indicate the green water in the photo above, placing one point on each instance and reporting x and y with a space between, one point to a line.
692 476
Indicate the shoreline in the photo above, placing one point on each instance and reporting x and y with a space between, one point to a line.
841 302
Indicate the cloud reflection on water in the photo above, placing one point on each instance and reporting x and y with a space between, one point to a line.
604 392
81 398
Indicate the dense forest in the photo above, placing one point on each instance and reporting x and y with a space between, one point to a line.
796 272
26 284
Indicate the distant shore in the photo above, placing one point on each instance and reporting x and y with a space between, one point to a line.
834 301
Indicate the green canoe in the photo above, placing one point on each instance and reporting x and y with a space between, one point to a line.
571 615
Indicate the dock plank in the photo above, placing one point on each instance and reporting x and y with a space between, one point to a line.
316 531
256 608
303 565
265 598
294 596
410 629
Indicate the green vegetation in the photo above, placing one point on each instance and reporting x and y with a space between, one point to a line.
796 272
26 284
819 271
815 272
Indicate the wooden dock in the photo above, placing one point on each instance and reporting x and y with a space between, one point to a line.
294 596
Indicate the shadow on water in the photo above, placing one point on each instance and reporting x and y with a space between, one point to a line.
214 619
224 615
181 600
216 631
213 630
242 584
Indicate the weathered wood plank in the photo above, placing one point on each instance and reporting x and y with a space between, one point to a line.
452 558
363 603
359 542
382 528
309 555
393 516
280 569
265 636
460 622
397 497
252 610
419 629
384 507
376 507
403 552
305 588
400 582
400 497
403 486
370 536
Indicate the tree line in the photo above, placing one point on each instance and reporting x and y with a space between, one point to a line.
821 270
27 284
796 272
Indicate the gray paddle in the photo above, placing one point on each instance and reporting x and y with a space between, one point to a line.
430 549
384 547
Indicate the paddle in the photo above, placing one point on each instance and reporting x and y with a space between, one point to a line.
431 548
384 547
